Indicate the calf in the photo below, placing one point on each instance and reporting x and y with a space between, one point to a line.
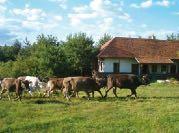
13 85
76 84
124 81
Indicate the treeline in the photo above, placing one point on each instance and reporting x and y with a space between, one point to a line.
48 57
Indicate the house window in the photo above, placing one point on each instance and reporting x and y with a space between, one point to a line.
154 68
164 69
116 67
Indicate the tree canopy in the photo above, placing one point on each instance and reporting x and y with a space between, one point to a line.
48 57
105 38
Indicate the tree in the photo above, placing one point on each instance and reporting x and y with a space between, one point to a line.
79 51
16 47
105 38
173 37
49 56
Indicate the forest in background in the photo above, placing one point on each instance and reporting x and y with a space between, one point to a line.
49 57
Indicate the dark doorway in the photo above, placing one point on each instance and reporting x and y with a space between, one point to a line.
145 69
173 69
135 69
116 67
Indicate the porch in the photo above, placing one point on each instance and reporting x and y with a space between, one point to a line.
159 71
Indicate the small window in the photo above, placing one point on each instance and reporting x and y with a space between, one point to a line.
164 69
116 67
154 68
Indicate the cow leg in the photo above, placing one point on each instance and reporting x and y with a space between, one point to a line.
66 94
45 93
92 94
48 93
77 95
114 91
88 95
2 91
8 94
38 90
100 93
19 97
133 92
30 92
107 91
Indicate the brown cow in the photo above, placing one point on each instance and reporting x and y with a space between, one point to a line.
13 85
52 85
124 81
76 84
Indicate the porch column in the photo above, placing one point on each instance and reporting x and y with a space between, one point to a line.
139 69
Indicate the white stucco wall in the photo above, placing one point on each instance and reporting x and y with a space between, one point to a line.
125 65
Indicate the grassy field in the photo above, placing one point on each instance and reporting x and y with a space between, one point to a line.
155 111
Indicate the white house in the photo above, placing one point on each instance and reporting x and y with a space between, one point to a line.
139 56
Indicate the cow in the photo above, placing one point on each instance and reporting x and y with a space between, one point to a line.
34 85
76 84
52 85
125 81
13 85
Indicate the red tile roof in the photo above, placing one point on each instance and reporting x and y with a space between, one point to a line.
153 60
145 50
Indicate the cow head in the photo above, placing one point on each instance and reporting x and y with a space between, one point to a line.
25 84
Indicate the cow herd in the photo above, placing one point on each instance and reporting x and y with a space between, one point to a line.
71 86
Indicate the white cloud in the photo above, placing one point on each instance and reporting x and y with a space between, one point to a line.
106 25
2 9
98 11
163 3
2 21
36 19
2 1
61 3
58 18
125 16
145 4
30 14
150 3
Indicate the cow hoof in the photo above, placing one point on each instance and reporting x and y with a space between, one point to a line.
128 95
105 96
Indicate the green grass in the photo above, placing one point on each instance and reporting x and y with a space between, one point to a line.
155 111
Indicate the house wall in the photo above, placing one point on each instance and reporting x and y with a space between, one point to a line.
125 65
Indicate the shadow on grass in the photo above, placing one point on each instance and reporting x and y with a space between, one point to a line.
41 101
140 99
160 97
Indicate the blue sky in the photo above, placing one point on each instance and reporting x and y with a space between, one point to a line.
29 18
